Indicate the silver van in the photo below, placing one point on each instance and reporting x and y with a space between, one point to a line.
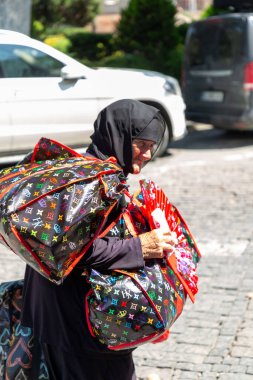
217 75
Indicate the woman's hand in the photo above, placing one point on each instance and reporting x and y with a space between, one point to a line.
156 242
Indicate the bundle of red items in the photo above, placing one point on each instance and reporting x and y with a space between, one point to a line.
186 253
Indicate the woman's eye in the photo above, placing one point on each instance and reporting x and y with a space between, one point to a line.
144 146
139 145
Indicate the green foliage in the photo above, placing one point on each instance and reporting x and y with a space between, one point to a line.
37 29
175 61
212 11
147 28
146 36
59 42
72 12
182 31
88 45
77 42
124 60
59 29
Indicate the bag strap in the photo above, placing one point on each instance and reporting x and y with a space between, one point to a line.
129 223
111 225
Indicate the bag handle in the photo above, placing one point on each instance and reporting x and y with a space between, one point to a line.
39 148
129 224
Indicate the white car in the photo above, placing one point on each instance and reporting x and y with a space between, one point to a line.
44 92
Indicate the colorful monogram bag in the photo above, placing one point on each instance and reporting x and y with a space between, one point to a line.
126 309
54 204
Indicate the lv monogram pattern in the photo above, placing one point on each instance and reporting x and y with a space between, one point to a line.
16 342
127 309
53 209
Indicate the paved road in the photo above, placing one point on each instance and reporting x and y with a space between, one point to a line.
208 176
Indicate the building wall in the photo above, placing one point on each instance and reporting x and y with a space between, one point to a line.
113 6
16 15
193 5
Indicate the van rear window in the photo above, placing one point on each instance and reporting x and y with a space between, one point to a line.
215 44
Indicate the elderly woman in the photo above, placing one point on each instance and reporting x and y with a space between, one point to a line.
130 131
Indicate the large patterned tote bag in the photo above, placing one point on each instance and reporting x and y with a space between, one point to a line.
54 204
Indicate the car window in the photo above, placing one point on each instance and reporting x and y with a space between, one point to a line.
216 44
17 61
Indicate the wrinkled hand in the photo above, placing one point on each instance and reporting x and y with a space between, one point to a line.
156 242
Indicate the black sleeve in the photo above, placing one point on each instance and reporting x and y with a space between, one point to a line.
114 253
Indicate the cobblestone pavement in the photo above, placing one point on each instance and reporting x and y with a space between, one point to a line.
208 176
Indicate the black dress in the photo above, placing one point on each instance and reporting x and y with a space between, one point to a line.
56 313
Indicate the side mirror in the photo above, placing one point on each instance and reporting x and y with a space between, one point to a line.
72 73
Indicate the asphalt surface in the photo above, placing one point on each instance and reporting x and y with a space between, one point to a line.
208 176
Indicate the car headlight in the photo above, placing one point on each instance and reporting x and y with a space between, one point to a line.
171 85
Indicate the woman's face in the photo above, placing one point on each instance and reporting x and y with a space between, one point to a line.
142 152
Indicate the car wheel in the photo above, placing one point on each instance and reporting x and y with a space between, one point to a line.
164 145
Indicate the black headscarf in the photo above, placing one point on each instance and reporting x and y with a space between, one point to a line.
118 124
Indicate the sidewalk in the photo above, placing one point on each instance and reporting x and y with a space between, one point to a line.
212 339
211 184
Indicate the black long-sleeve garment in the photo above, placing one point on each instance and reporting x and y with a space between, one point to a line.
56 312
